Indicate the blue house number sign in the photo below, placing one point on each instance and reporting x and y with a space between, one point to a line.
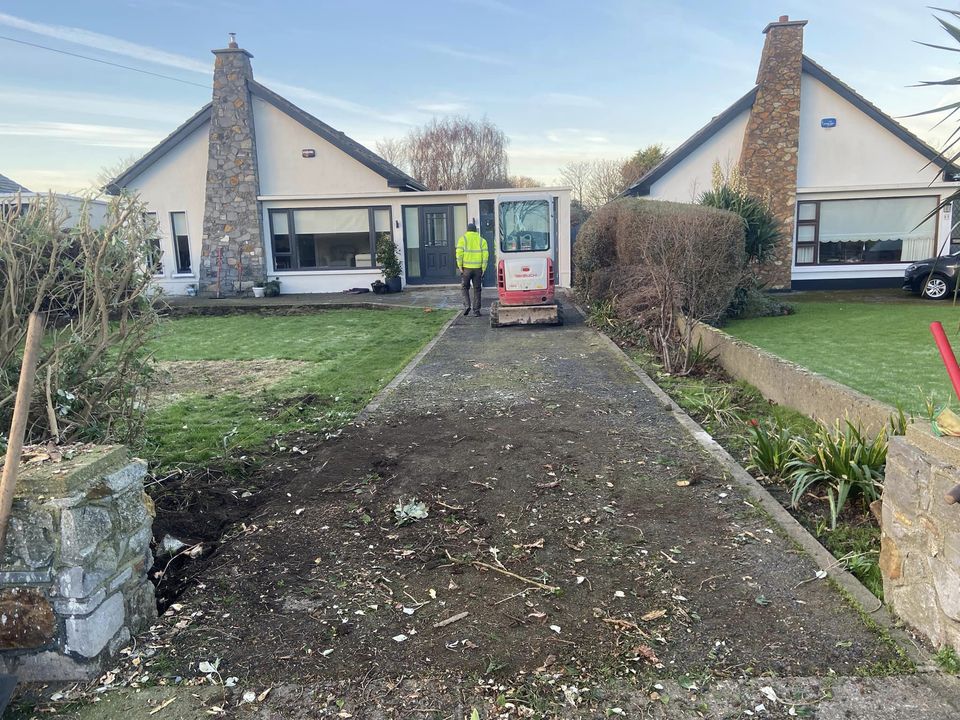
828 122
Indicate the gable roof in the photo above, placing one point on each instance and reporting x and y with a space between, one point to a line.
9 186
642 186
394 176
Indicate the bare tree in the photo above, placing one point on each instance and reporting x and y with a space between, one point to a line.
577 176
523 181
457 153
605 182
108 173
393 150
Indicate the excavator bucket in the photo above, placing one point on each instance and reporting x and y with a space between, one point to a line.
546 314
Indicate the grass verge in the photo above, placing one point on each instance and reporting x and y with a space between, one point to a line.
325 367
880 346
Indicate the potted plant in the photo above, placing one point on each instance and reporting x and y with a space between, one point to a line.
389 262
271 288
259 288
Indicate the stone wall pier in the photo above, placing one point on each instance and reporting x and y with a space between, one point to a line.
73 578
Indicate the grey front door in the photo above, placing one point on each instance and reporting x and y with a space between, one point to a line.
437 244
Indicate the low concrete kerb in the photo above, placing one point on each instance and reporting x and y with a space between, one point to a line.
790 526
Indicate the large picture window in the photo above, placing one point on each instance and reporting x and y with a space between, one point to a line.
328 238
869 231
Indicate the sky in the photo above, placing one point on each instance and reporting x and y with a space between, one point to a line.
566 80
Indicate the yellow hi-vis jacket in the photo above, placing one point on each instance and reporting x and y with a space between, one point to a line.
472 251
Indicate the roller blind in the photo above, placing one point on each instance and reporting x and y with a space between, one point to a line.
872 220
323 222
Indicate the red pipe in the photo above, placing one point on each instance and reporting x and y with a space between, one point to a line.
946 352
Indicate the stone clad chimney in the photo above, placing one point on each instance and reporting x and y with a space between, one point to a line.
768 160
232 236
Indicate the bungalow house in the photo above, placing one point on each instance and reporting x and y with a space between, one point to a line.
14 197
850 185
253 187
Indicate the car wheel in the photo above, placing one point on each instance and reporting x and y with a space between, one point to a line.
936 288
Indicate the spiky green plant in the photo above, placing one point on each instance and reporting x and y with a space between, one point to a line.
761 227
771 448
842 462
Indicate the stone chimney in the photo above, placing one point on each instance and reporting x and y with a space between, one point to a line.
232 236
768 160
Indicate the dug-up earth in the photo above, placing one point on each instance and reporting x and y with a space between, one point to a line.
580 557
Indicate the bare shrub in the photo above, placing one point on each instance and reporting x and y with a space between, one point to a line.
664 266
92 285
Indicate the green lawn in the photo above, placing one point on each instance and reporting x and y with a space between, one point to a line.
878 343
344 358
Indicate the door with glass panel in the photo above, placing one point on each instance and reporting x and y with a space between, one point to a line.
431 233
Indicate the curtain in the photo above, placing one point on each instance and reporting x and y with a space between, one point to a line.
878 220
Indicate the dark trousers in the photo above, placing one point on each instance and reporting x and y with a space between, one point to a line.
469 275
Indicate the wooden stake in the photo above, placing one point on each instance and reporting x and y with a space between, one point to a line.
18 427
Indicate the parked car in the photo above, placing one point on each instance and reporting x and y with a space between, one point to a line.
933 278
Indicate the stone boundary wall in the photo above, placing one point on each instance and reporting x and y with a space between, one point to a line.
73 577
792 385
920 534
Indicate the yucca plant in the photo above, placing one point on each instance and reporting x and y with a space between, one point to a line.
771 448
714 405
843 462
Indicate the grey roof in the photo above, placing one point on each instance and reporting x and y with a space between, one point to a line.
642 186
9 186
395 177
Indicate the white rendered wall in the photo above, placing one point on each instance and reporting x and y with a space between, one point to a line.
177 183
325 281
857 152
284 171
694 174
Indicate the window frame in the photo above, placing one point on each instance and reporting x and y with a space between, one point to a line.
294 254
816 233
551 223
157 242
816 223
178 271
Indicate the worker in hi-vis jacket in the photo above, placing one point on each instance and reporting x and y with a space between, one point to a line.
472 256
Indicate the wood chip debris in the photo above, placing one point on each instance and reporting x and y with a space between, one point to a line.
452 619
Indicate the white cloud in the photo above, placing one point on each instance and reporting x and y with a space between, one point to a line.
94 104
146 53
566 100
443 108
117 46
473 56
85 134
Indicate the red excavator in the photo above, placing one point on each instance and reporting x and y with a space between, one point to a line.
526 241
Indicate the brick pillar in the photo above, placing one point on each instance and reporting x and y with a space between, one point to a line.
231 217
768 160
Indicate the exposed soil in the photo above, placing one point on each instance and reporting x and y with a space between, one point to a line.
539 454
176 379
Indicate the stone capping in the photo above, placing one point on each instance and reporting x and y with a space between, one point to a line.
920 534
792 385
73 575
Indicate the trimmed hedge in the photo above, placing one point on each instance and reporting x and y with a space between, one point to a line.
653 260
